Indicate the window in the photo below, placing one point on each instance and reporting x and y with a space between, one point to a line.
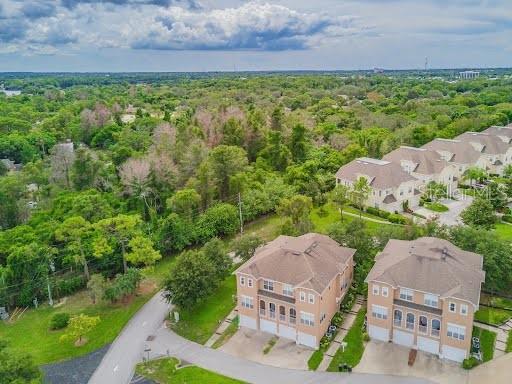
430 300
435 327
282 313
307 318
384 291
322 317
423 324
375 290
272 310
405 294
249 283
452 307
311 298
456 331
263 307
287 290
302 296
379 312
397 316
409 321
293 316
247 302
463 309
268 285
242 280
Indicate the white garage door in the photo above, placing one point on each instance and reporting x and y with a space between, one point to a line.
455 354
287 332
403 338
246 321
305 339
428 345
268 326
378 333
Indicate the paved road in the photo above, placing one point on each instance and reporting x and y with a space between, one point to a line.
167 342
118 364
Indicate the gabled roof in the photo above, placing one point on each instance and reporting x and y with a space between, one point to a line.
308 261
430 265
461 151
492 145
381 174
427 162
500 131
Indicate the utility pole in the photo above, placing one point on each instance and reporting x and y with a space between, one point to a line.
240 212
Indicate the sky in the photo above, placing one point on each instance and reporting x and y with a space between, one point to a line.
227 35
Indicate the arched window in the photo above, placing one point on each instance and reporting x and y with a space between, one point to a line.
263 305
397 318
409 323
435 328
282 313
272 310
293 315
423 324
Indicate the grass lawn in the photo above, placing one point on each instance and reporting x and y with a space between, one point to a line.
504 231
226 335
492 316
322 222
31 335
316 359
200 322
509 342
355 346
436 207
487 340
164 371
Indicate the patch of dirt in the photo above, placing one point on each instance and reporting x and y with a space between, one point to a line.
146 287
81 342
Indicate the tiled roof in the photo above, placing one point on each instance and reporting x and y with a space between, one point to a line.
427 162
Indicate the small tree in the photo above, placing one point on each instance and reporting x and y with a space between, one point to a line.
78 327
215 252
507 171
16 369
297 208
435 191
497 195
245 246
359 193
479 214
474 174
97 286
340 197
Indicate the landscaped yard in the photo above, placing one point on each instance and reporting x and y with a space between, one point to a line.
355 345
504 231
436 207
31 335
164 371
226 335
487 340
492 316
200 322
509 342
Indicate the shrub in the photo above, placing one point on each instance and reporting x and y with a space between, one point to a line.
378 212
68 286
337 319
59 321
366 337
470 363
217 221
507 218
397 219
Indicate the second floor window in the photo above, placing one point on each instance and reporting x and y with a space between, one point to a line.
405 294
242 280
307 319
287 290
247 302
456 332
379 312
268 285
430 300
311 298
302 296
463 309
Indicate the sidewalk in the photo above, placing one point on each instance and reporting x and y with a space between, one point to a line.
348 320
222 327
501 336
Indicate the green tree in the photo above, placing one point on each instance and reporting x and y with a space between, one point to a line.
479 214
507 171
75 232
359 194
217 221
245 246
185 203
497 195
277 119
474 174
435 191
84 169
97 286
340 197
224 162
297 208
173 234
298 143
142 251
215 251
276 154
79 326
16 369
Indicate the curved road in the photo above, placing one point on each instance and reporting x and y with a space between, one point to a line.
127 350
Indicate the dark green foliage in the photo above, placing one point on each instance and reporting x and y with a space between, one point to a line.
245 246
173 234
123 285
219 220
67 286
16 369
59 321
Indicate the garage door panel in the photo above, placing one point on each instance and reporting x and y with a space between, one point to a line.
306 339
247 322
287 332
452 353
403 338
428 345
268 326
378 333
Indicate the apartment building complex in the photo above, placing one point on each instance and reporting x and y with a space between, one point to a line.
423 294
293 286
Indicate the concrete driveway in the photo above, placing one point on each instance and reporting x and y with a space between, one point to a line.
388 358
249 344
451 217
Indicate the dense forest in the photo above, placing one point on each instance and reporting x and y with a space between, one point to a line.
103 172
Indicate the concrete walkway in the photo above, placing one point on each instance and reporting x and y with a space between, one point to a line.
222 327
348 320
501 336
169 343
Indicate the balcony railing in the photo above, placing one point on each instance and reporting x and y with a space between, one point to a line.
262 312
422 328
435 332
272 314
397 322
282 318
292 320
409 325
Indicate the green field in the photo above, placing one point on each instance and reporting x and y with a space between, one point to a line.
164 371
492 316
504 231
487 340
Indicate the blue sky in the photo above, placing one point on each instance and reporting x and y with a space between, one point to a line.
208 35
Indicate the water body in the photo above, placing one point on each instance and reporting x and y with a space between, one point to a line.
9 92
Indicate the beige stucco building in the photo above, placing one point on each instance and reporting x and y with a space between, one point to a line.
494 152
293 286
423 294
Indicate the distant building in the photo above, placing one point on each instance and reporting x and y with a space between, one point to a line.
466 75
